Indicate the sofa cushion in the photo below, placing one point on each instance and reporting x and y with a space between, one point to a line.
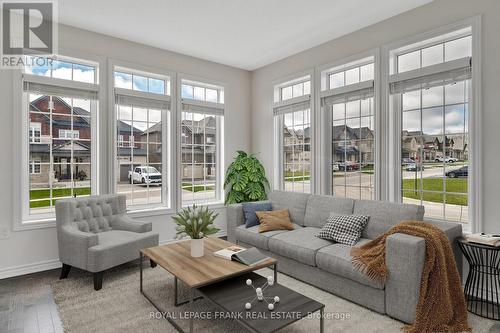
258 239
336 259
249 209
384 215
294 202
319 208
116 247
301 244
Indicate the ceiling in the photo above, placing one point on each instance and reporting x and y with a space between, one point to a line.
247 34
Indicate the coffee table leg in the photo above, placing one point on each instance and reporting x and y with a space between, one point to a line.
191 309
176 302
141 258
276 272
321 321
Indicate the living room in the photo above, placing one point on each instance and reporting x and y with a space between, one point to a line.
285 123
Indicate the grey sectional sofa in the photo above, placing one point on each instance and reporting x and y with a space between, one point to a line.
328 266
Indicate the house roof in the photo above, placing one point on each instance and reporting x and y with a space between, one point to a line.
361 134
85 115
206 125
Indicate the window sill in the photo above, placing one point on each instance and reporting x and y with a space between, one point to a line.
35 224
211 205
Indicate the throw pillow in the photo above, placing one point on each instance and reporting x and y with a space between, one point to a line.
274 220
249 209
345 229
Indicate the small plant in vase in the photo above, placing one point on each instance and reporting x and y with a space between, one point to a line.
197 223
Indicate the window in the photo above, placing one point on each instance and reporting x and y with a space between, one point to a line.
142 112
295 90
69 134
35 166
292 114
348 107
145 82
35 132
193 90
61 153
433 101
61 69
202 108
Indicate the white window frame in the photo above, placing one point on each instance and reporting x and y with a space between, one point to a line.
69 134
167 205
23 220
34 127
324 118
34 162
221 88
278 123
393 120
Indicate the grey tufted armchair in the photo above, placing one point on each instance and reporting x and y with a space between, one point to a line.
94 233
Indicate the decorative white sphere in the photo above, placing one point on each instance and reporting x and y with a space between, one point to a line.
276 299
249 282
248 306
270 306
260 297
259 291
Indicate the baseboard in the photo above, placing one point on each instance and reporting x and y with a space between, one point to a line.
29 268
55 263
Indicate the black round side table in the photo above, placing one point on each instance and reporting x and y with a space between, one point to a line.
483 281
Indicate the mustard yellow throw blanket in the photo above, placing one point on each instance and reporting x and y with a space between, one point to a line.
441 305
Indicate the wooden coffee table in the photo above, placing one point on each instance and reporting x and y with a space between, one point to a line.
196 272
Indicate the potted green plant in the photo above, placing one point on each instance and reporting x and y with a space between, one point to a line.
195 222
245 179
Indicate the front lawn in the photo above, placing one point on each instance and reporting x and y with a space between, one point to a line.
196 188
411 189
37 195
296 177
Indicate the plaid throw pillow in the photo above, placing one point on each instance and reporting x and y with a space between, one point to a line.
345 229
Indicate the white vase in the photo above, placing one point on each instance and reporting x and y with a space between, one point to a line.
197 248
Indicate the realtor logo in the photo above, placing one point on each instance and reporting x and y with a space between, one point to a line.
28 28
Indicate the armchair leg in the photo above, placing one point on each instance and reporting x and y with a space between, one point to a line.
153 264
97 280
64 271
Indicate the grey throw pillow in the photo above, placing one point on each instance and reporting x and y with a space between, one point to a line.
345 229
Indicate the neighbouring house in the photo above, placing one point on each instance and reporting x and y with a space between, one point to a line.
297 149
60 135
352 144
432 146
198 148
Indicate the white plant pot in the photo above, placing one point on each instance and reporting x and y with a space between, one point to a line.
197 248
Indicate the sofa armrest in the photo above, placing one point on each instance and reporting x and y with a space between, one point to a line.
235 218
404 256
452 231
74 245
123 222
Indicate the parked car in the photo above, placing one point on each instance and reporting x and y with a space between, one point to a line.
348 166
415 167
144 175
407 161
460 172
446 159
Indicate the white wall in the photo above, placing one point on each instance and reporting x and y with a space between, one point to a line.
23 251
436 14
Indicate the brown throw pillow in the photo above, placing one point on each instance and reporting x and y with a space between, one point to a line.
274 220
